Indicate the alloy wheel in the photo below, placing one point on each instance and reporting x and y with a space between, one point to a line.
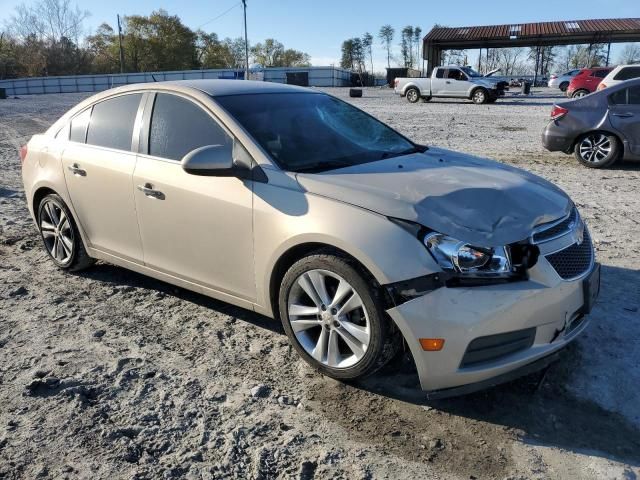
329 318
595 148
56 232
412 95
479 96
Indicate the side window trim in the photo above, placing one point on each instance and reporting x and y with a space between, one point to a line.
145 131
86 126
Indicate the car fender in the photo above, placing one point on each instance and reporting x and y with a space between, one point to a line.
389 252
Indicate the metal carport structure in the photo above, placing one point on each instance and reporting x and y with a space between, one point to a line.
570 32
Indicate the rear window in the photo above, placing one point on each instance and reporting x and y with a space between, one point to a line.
628 73
112 122
600 73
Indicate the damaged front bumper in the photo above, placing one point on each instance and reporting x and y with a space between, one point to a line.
493 333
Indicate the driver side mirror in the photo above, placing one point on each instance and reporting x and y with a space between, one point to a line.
214 161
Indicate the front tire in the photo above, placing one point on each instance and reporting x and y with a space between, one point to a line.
413 95
60 235
480 96
597 150
333 316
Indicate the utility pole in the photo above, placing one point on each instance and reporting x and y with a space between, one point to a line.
120 43
246 42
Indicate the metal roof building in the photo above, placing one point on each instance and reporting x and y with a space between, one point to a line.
570 32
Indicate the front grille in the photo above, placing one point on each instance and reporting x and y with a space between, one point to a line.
574 260
557 230
493 347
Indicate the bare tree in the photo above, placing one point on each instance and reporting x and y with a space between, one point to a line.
630 54
367 45
49 20
386 34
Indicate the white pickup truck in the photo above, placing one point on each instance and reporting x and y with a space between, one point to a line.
450 81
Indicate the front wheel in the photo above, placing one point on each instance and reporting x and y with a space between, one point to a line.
60 235
413 95
334 318
479 96
597 150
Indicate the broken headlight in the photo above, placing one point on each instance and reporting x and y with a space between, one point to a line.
468 260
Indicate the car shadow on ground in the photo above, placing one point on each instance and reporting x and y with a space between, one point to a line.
119 277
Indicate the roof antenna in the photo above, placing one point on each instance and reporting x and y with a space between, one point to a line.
154 78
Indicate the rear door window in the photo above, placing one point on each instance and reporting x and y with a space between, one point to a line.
619 97
628 73
633 97
179 126
600 73
112 122
79 126
440 73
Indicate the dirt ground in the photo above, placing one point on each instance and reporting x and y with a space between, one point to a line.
109 374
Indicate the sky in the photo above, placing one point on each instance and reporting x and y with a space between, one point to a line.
319 27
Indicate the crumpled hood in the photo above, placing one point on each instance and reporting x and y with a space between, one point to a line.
479 201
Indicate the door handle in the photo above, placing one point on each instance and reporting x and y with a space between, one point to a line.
623 115
76 170
447 81
148 190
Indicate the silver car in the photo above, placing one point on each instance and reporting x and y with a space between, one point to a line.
599 128
297 205
563 80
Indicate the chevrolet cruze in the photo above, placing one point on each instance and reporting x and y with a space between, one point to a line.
299 206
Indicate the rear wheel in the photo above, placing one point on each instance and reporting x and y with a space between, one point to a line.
480 96
564 86
412 94
597 150
334 318
579 93
60 235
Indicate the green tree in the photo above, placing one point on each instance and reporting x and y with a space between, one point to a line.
272 53
386 35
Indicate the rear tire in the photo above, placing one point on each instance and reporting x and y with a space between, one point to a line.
580 93
60 235
480 96
597 150
564 86
413 95
345 346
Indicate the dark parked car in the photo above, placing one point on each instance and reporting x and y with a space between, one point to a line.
599 128
587 81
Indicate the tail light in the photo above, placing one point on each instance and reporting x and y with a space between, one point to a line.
553 77
23 153
395 82
602 86
557 112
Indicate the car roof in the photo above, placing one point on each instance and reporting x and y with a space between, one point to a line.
219 88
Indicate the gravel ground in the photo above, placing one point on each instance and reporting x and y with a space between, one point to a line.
109 374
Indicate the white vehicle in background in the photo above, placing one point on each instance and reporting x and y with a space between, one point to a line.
562 81
620 74
451 81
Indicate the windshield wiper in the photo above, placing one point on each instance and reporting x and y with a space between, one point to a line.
322 166
408 151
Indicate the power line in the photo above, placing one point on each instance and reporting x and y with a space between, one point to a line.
221 15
